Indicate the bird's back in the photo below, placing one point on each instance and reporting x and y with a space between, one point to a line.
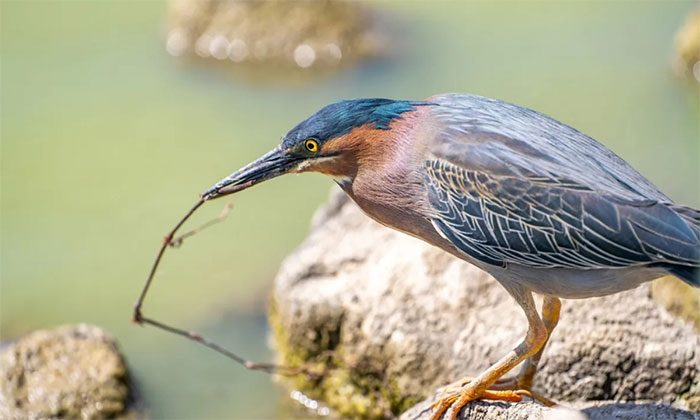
512 186
545 144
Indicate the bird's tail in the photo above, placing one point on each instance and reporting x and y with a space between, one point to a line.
688 273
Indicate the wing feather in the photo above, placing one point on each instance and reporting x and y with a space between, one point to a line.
510 185
502 220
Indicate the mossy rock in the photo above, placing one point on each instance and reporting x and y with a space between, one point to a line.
74 371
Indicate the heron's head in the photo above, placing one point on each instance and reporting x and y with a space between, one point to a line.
332 141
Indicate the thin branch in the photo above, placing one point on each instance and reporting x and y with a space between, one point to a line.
140 319
248 364
137 317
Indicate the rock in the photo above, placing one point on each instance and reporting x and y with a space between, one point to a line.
686 62
608 411
386 319
481 410
73 371
681 299
278 34
490 410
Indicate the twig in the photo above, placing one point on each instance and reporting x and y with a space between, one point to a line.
140 319
176 242
248 364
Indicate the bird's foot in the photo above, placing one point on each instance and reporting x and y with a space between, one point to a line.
517 384
458 398
502 384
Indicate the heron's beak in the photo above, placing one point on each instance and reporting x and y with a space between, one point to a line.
268 166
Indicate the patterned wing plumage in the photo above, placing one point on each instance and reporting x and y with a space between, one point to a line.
503 197
548 223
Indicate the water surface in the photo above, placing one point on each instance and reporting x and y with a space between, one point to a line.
107 140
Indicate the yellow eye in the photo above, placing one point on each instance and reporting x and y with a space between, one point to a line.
311 145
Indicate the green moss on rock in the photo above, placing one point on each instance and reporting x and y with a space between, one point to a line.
350 391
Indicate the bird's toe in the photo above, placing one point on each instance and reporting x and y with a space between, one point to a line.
457 397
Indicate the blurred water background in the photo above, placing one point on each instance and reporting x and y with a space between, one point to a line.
107 140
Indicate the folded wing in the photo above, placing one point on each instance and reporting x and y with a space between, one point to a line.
503 196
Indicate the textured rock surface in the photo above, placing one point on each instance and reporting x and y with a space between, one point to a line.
389 318
533 411
72 371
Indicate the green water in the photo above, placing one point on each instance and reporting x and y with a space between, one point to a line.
106 141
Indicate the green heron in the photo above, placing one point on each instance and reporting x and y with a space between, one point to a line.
535 203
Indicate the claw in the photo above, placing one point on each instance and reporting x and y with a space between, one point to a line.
458 399
510 396
455 399
441 405
541 399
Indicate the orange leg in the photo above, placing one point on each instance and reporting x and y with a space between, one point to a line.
478 388
551 308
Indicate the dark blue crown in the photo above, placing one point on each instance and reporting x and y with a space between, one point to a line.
340 118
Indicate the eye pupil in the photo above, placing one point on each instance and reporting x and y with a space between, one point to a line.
311 145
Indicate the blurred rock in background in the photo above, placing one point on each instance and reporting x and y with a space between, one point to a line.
679 298
387 319
73 371
687 56
281 35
